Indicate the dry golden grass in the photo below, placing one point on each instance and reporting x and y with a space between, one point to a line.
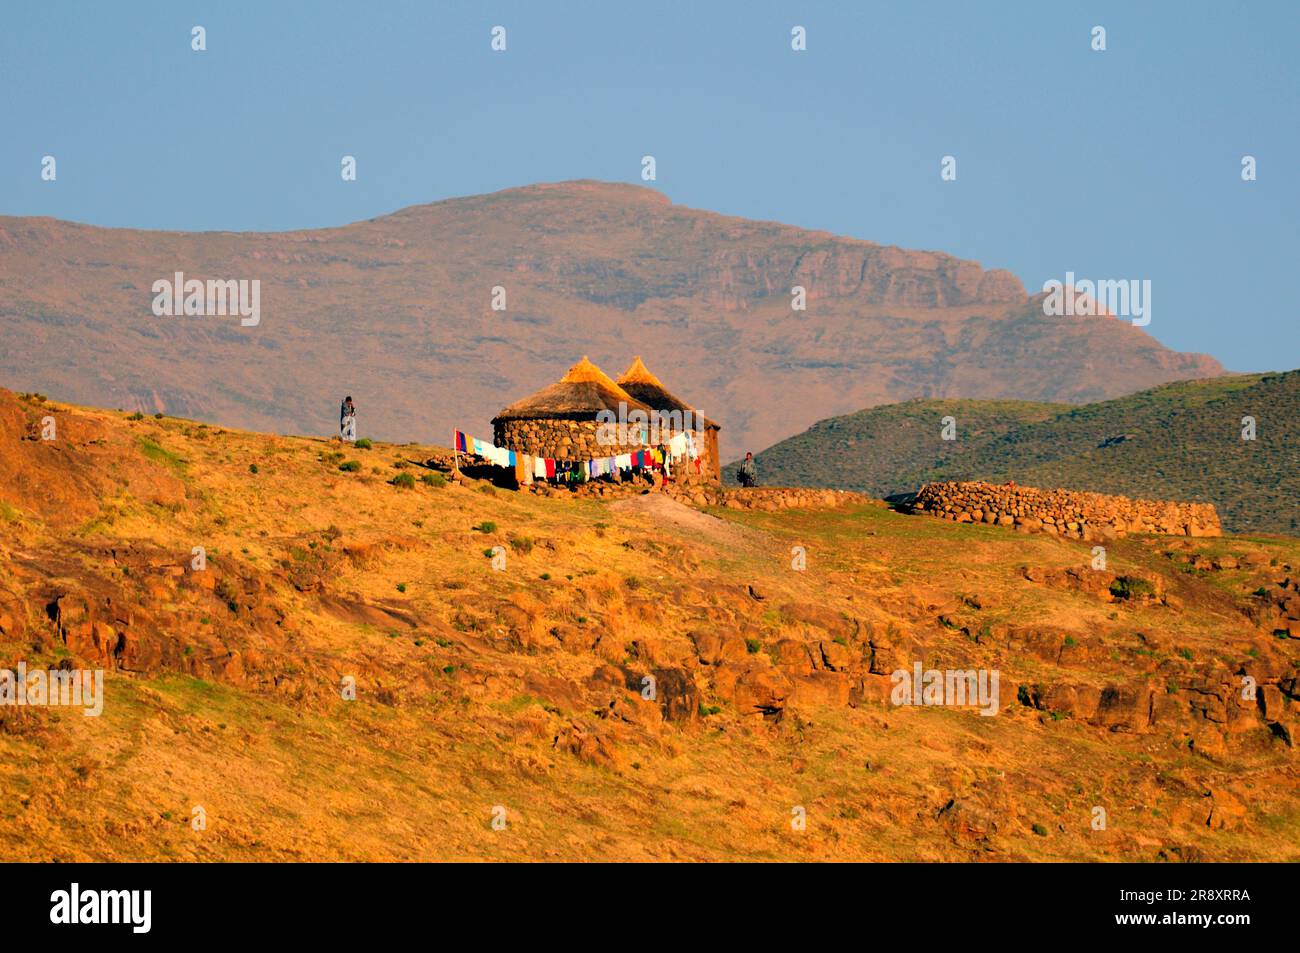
476 688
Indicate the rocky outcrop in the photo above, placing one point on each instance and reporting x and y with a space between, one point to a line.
1068 513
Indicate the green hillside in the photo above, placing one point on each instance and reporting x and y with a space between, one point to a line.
1179 441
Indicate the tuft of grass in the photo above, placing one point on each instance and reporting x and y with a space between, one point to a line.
160 454
350 466
403 481
487 526
753 646
363 444
435 480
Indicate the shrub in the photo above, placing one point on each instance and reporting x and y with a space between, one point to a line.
252 468
136 416
350 466
1040 830
404 481
401 587
487 526
363 444
753 645
436 480
158 416
1131 587
521 544
707 710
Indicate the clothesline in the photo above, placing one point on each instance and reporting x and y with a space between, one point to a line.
528 468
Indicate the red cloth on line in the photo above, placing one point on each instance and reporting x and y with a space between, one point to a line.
550 469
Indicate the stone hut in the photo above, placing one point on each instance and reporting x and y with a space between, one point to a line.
645 387
564 421
559 421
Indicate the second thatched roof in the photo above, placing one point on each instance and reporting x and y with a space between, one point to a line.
646 388
581 393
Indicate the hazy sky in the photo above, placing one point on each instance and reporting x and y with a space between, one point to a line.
1117 164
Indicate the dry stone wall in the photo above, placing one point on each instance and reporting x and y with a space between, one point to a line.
1064 512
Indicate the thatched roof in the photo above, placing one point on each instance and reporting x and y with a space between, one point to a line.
645 387
581 393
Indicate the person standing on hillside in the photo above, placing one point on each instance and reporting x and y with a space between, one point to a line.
348 420
748 472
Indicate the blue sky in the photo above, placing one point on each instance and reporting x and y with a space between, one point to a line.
1119 164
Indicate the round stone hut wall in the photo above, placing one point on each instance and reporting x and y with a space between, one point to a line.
562 439
555 438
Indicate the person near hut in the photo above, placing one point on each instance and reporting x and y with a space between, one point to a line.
348 420
748 472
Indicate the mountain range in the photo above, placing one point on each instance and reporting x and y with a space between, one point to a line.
397 311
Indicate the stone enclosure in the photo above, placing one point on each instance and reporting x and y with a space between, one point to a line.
1068 513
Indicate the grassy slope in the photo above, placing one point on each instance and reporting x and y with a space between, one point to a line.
1185 443
459 709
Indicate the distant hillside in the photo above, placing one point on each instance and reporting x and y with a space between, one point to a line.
396 311
1179 441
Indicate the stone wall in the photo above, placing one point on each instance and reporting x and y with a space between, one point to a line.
562 439
1064 512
